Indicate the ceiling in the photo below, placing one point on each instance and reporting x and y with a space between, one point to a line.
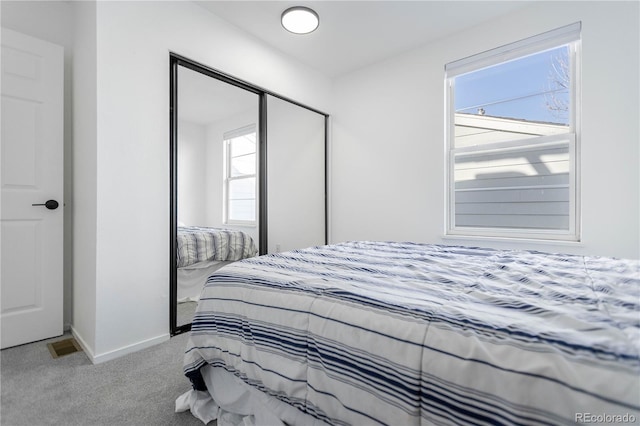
354 34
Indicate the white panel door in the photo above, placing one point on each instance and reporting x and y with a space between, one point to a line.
31 289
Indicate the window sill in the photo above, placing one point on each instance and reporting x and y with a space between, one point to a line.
241 225
479 238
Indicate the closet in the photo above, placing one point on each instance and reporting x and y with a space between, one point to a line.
247 166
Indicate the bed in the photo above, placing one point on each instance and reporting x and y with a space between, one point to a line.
203 250
376 333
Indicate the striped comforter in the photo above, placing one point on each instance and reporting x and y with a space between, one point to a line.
401 334
197 244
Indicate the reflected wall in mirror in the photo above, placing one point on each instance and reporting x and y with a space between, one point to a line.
217 189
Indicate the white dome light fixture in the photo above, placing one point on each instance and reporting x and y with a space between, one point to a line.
300 20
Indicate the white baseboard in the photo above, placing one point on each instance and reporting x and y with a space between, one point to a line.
87 350
117 353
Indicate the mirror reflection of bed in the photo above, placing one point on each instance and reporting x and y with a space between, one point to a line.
217 182
201 251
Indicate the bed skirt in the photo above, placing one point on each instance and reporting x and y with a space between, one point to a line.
191 279
232 402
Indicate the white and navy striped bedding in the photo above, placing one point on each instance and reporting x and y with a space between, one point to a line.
401 333
198 244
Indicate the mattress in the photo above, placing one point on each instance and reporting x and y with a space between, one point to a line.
405 333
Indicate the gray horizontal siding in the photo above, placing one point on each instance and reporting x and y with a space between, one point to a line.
542 208
516 189
513 195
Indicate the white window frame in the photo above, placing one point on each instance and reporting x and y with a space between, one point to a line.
227 138
568 35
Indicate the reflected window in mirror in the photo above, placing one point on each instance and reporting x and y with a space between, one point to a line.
240 187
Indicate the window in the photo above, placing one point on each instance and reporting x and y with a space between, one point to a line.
240 176
512 140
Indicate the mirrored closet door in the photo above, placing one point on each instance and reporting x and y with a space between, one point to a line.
248 177
215 150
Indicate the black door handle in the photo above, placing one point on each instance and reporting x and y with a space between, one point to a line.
50 204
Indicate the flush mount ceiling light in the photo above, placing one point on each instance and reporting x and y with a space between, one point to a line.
300 20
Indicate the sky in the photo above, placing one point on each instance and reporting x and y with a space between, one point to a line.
521 89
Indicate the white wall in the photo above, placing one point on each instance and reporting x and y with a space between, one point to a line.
388 131
133 44
84 205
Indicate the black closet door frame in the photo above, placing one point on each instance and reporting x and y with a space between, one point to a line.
175 61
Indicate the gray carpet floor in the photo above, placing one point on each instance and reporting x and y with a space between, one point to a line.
137 389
